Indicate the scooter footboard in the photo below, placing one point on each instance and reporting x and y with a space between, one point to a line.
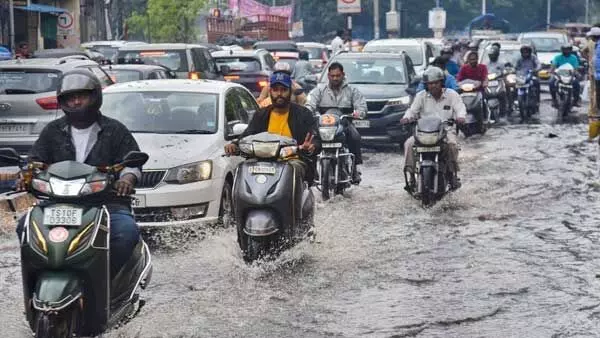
261 223
56 290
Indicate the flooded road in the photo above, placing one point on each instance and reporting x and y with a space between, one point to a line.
514 252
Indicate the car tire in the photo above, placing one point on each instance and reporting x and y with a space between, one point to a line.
226 207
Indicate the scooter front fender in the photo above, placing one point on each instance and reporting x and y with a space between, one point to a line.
55 290
261 223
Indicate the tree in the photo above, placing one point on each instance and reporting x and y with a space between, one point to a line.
168 20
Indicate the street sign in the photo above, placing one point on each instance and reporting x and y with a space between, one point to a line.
65 24
348 6
437 19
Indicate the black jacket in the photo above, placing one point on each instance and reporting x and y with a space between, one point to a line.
114 142
301 122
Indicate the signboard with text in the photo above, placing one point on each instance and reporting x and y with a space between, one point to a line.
348 6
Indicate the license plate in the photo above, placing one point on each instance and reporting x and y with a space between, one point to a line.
493 83
63 216
332 145
138 201
428 149
259 169
14 128
362 123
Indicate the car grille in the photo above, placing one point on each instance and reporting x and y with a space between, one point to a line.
151 179
375 106
153 215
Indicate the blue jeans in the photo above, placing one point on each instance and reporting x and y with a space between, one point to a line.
124 236
576 88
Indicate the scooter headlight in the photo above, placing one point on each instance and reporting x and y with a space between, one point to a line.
93 187
41 186
492 76
265 149
467 87
327 133
427 139
66 188
511 78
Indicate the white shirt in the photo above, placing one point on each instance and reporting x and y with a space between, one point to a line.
337 45
449 106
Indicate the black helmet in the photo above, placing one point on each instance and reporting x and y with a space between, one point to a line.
304 55
79 81
497 45
447 50
525 47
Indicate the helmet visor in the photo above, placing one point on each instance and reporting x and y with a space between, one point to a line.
77 82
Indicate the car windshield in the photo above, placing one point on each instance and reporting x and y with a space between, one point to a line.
545 44
372 71
314 52
506 55
175 60
240 64
125 75
163 112
26 81
415 52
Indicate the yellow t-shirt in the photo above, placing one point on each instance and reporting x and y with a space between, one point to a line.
278 124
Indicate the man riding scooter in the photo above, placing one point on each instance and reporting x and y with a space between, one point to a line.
528 62
339 94
496 71
444 103
452 66
566 56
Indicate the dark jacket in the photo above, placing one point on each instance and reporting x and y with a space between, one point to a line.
55 145
301 122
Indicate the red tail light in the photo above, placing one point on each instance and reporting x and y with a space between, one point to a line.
48 103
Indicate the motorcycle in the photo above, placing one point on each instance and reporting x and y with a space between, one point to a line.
526 95
564 77
273 208
335 163
477 120
68 290
432 181
496 96
510 82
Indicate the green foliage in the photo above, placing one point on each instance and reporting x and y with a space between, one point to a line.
167 20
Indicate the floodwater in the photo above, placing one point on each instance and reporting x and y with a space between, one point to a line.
514 253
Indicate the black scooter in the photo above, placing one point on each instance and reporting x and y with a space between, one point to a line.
478 117
65 249
273 207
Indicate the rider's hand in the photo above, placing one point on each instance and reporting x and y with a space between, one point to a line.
308 145
356 114
20 184
125 185
460 120
231 149
404 120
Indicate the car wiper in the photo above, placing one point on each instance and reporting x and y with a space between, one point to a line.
361 82
18 91
193 131
395 83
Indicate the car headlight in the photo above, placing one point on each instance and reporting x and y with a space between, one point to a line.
265 149
41 186
427 139
93 187
66 188
188 173
404 100
467 87
511 78
327 133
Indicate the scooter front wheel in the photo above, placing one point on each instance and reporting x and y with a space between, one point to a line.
58 325
326 182
256 249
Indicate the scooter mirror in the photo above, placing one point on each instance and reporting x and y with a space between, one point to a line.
9 157
312 79
238 129
431 59
135 159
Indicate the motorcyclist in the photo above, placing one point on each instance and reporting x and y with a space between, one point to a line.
528 61
298 96
451 65
85 135
286 118
302 68
494 66
473 70
449 81
441 102
566 56
337 93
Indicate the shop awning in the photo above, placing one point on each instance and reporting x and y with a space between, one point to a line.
42 9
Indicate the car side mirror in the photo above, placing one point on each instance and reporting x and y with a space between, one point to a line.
225 69
135 159
9 157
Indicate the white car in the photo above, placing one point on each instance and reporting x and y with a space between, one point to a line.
419 51
183 125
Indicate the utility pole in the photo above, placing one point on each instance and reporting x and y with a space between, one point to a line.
376 18
392 20
483 7
587 12
548 14
11 14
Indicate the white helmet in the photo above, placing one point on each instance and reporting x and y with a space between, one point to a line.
433 74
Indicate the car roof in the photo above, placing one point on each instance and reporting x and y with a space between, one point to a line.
285 44
114 43
311 45
542 34
395 42
160 46
50 63
234 53
368 55
183 85
133 67
59 52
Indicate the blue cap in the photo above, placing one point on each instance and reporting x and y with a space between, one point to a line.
281 78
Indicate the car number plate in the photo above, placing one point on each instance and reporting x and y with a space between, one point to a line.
63 216
362 123
138 201
14 128
493 83
332 145
264 170
429 149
